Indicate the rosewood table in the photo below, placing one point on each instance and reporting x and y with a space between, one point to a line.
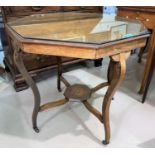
78 35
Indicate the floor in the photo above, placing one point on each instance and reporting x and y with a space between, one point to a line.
71 125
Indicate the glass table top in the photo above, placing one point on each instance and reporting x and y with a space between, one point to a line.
78 27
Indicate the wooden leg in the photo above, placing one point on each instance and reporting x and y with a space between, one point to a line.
21 67
149 79
140 55
151 51
59 74
147 86
133 51
110 71
98 62
116 73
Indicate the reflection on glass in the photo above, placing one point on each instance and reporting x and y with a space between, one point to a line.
77 27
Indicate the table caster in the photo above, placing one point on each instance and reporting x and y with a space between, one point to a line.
105 142
36 129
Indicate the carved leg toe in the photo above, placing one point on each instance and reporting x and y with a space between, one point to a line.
36 129
105 142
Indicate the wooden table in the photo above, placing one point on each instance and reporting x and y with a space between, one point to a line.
78 35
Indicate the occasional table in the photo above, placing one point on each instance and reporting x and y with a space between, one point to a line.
77 35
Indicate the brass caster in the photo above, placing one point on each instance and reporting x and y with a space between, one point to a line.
36 129
105 142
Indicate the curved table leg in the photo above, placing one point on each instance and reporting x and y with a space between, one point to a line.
149 80
116 73
31 83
